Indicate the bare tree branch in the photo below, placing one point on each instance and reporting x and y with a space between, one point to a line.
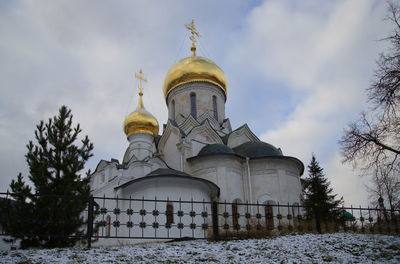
375 138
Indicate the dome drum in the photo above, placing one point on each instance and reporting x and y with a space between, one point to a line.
209 98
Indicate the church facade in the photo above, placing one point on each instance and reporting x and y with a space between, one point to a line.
198 155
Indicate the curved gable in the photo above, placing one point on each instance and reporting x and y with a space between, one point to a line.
201 136
188 124
241 135
168 145
207 116
170 131
101 166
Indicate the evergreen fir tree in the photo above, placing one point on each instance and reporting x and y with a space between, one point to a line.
317 193
54 164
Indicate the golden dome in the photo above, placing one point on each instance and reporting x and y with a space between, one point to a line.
140 121
192 69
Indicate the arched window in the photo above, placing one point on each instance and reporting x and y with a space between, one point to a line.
169 213
108 230
269 216
235 215
236 210
173 109
215 107
193 109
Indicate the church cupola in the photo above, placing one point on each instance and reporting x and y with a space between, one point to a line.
140 128
194 69
195 85
140 121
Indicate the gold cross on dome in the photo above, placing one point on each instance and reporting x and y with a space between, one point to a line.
141 78
195 33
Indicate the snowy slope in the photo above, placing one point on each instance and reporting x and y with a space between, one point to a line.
308 248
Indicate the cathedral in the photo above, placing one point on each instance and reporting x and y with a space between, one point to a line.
197 155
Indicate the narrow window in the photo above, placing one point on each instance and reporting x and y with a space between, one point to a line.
269 217
193 109
235 215
108 230
173 109
215 107
170 214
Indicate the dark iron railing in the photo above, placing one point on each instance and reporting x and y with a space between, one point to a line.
140 218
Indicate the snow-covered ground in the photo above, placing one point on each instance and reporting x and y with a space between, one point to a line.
308 248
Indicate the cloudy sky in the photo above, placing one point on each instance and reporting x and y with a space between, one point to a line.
297 70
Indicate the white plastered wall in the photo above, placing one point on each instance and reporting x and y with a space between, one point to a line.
163 188
278 179
223 170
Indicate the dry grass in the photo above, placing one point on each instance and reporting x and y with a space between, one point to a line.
260 230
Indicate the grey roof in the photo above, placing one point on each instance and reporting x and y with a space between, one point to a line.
165 173
161 171
257 150
215 149
225 138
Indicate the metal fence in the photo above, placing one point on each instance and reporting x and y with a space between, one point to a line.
140 218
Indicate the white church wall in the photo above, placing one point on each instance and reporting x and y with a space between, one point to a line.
106 189
111 172
168 187
223 170
269 177
168 191
137 169
102 178
168 147
291 187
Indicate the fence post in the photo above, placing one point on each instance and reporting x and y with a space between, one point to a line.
214 209
317 218
90 221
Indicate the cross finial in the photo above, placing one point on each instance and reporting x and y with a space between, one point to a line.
141 78
195 34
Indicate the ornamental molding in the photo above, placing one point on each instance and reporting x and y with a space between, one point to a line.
207 132
188 124
180 119
207 116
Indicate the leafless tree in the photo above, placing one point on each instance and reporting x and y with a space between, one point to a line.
374 139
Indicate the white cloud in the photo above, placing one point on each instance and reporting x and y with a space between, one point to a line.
346 181
327 56
84 55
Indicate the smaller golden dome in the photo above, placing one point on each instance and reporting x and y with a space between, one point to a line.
140 121
191 69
